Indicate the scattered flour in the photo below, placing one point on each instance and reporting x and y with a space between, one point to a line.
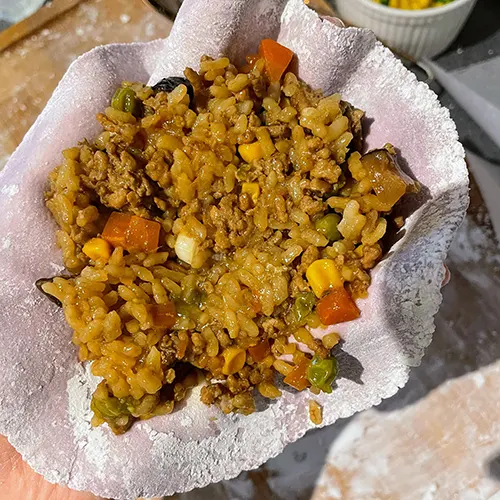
10 190
91 440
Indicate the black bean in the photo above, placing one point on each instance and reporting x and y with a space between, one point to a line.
39 283
169 84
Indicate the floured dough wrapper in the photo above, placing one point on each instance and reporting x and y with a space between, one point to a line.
45 393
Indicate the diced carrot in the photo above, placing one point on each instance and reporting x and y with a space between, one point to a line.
336 307
142 235
276 56
260 351
133 233
297 378
115 230
164 315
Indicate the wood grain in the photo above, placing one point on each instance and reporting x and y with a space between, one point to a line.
32 66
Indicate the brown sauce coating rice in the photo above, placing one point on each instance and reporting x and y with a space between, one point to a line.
252 229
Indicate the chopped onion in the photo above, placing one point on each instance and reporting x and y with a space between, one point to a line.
186 248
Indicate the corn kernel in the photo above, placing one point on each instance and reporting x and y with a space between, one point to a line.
97 248
323 274
251 152
253 189
234 360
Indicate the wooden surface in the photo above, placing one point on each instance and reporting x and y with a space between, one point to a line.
439 437
31 68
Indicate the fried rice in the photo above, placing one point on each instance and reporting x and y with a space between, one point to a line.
213 223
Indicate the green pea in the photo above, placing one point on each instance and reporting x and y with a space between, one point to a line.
327 226
304 304
193 296
125 99
109 408
301 309
322 372
190 307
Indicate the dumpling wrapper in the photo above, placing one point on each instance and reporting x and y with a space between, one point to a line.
45 393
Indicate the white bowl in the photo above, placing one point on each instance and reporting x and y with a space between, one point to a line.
414 33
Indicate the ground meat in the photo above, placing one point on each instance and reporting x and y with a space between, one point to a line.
280 211
308 257
256 377
221 241
211 393
244 202
254 121
167 352
247 137
158 168
327 170
359 288
259 87
371 255
236 384
281 131
243 403
233 226
298 284
273 327
305 98
119 182
233 218
311 206
124 132
222 336
320 349
320 187
240 238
